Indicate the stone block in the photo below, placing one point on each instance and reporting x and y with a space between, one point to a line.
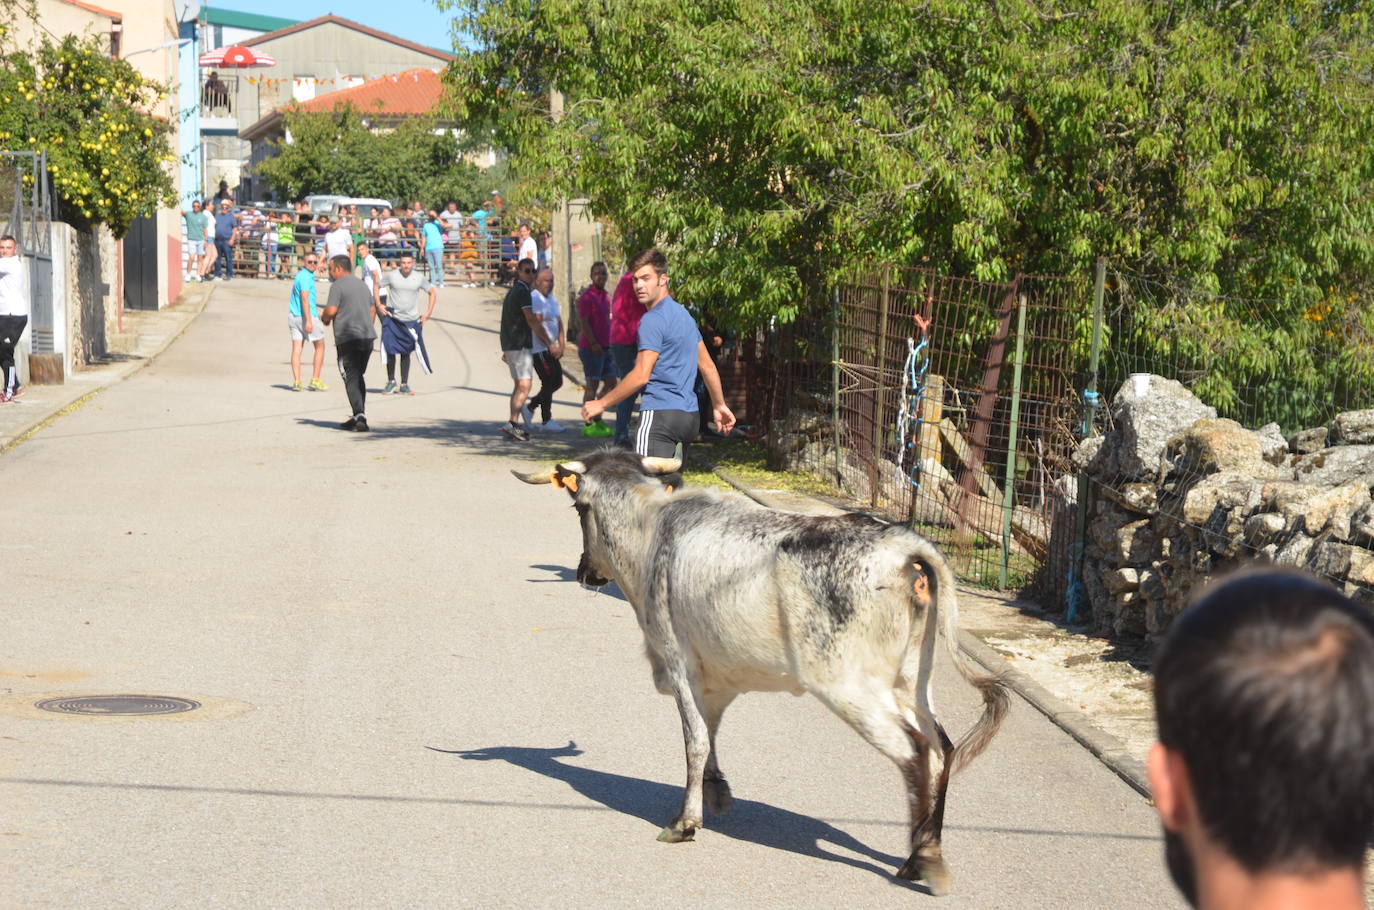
1305 442
1262 529
1343 562
1334 510
1273 447
1336 466
1148 412
1120 581
1213 445
1354 427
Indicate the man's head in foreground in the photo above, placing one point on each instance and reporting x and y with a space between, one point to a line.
1263 775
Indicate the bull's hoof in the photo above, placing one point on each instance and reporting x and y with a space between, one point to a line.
716 794
675 834
933 872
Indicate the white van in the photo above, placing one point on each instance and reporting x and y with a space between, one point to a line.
330 205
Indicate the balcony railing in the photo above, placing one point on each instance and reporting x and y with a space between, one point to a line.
219 96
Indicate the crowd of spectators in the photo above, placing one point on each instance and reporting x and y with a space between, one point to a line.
450 246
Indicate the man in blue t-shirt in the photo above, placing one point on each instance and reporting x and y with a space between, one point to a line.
432 241
304 320
671 353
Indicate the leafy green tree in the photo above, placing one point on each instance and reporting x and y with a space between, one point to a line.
340 153
108 158
1220 145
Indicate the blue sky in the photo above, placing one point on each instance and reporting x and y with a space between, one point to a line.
420 22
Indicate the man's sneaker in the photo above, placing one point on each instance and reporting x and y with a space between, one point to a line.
296 386
404 390
623 442
527 415
515 431
18 392
360 424
553 426
349 424
389 388
317 385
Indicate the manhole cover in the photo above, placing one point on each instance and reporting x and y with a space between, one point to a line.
117 704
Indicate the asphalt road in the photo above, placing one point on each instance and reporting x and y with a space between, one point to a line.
406 700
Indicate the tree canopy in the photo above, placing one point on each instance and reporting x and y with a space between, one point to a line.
108 158
339 153
766 142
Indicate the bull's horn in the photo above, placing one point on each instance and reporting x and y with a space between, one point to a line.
573 467
655 465
536 478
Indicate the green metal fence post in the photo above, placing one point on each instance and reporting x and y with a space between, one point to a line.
1078 595
1008 492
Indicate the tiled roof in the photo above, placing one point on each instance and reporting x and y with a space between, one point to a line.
415 91
405 94
98 10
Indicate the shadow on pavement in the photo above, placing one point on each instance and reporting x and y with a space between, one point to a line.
655 803
563 573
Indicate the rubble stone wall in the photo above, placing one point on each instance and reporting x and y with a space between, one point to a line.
1178 495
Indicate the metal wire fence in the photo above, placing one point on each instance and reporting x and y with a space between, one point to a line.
959 406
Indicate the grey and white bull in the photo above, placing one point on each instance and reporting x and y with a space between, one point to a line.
733 597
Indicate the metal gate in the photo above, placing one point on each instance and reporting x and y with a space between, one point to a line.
140 265
26 214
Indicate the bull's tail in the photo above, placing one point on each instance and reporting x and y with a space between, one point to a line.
942 601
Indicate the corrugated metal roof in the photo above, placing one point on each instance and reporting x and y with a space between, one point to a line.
214 15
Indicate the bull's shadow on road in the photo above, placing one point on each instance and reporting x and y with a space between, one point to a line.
656 803
475 437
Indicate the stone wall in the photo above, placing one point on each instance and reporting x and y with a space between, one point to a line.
1178 495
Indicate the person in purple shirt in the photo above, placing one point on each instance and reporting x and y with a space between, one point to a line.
671 353
594 344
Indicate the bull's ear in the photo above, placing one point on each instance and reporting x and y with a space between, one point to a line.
565 475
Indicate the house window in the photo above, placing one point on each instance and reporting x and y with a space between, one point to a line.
302 88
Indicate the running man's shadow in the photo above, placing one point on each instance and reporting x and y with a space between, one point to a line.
656 804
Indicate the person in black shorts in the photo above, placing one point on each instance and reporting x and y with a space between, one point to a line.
671 353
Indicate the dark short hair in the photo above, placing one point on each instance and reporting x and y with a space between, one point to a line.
1265 687
649 257
342 261
406 254
527 261
599 265
10 238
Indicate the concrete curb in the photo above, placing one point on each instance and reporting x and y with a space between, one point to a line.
74 394
1108 749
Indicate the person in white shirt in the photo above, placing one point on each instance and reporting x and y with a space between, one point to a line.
528 248
338 242
546 357
14 314
372 275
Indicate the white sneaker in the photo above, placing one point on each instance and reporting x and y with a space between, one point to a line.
527 415
553 426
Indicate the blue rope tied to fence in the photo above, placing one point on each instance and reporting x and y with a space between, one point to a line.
1077 595
909 415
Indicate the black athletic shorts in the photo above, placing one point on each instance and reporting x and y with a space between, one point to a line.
660 431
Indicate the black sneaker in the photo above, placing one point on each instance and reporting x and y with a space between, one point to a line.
360 424
349 424
516 432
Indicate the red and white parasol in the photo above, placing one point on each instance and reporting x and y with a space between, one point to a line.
236 57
